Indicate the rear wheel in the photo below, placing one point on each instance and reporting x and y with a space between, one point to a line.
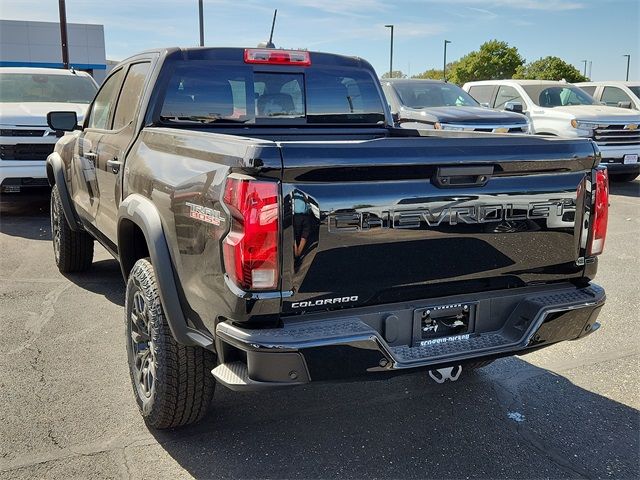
624 177
73 251
172 383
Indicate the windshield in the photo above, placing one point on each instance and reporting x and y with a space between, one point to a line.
557 96
636 90
202 92
27 87
426 94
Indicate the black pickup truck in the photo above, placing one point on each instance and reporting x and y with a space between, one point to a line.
274 229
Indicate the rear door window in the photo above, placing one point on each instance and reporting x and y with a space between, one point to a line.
131 94
105 102
613 95
482 93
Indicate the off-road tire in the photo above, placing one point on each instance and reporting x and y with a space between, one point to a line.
180 387
623 177
73 251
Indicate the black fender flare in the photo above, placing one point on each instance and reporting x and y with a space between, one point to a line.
55 176
143 213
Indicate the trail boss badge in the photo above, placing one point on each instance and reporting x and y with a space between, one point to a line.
205 214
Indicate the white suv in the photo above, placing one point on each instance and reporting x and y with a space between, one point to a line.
614 94
562 109
26 96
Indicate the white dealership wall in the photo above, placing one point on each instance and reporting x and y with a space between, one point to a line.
37 44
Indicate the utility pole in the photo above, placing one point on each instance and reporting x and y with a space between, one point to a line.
201 14
628 61
63 34
584 72
391 53
444 63
590 65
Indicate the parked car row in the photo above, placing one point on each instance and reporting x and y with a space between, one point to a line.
528 106
607 112
565 110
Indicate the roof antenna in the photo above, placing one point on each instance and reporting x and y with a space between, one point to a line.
269 43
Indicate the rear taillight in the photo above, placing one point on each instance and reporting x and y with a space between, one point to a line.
600 213
277 57
250 249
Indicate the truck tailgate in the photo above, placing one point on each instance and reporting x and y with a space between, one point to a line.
394 219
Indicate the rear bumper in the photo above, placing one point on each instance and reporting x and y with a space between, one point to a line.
370 341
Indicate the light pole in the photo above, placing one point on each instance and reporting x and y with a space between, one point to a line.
201 15
63 34
628 61
444 63
391 52
584 71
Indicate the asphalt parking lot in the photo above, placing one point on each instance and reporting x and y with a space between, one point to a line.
67 410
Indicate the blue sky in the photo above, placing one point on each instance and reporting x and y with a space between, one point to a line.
597 30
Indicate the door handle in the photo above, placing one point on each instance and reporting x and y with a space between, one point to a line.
91 156
114 165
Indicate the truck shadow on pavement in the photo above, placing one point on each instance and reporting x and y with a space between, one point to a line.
18 211
509 420
104 278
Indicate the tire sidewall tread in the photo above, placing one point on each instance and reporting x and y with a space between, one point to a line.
76 248
183 385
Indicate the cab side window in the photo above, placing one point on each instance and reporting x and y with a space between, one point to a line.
131 94
590 89
105 102
508 94
612 95
482 93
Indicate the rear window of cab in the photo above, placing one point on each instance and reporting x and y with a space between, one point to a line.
203 92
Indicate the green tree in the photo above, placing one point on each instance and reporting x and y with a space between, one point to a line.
431 74
394 74
550 68
494 60
434 73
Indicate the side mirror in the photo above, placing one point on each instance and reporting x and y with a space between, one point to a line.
515 107
624 104
62 121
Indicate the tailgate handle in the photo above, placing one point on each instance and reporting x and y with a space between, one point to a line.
447 177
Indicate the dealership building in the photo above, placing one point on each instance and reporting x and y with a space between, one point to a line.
37 44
